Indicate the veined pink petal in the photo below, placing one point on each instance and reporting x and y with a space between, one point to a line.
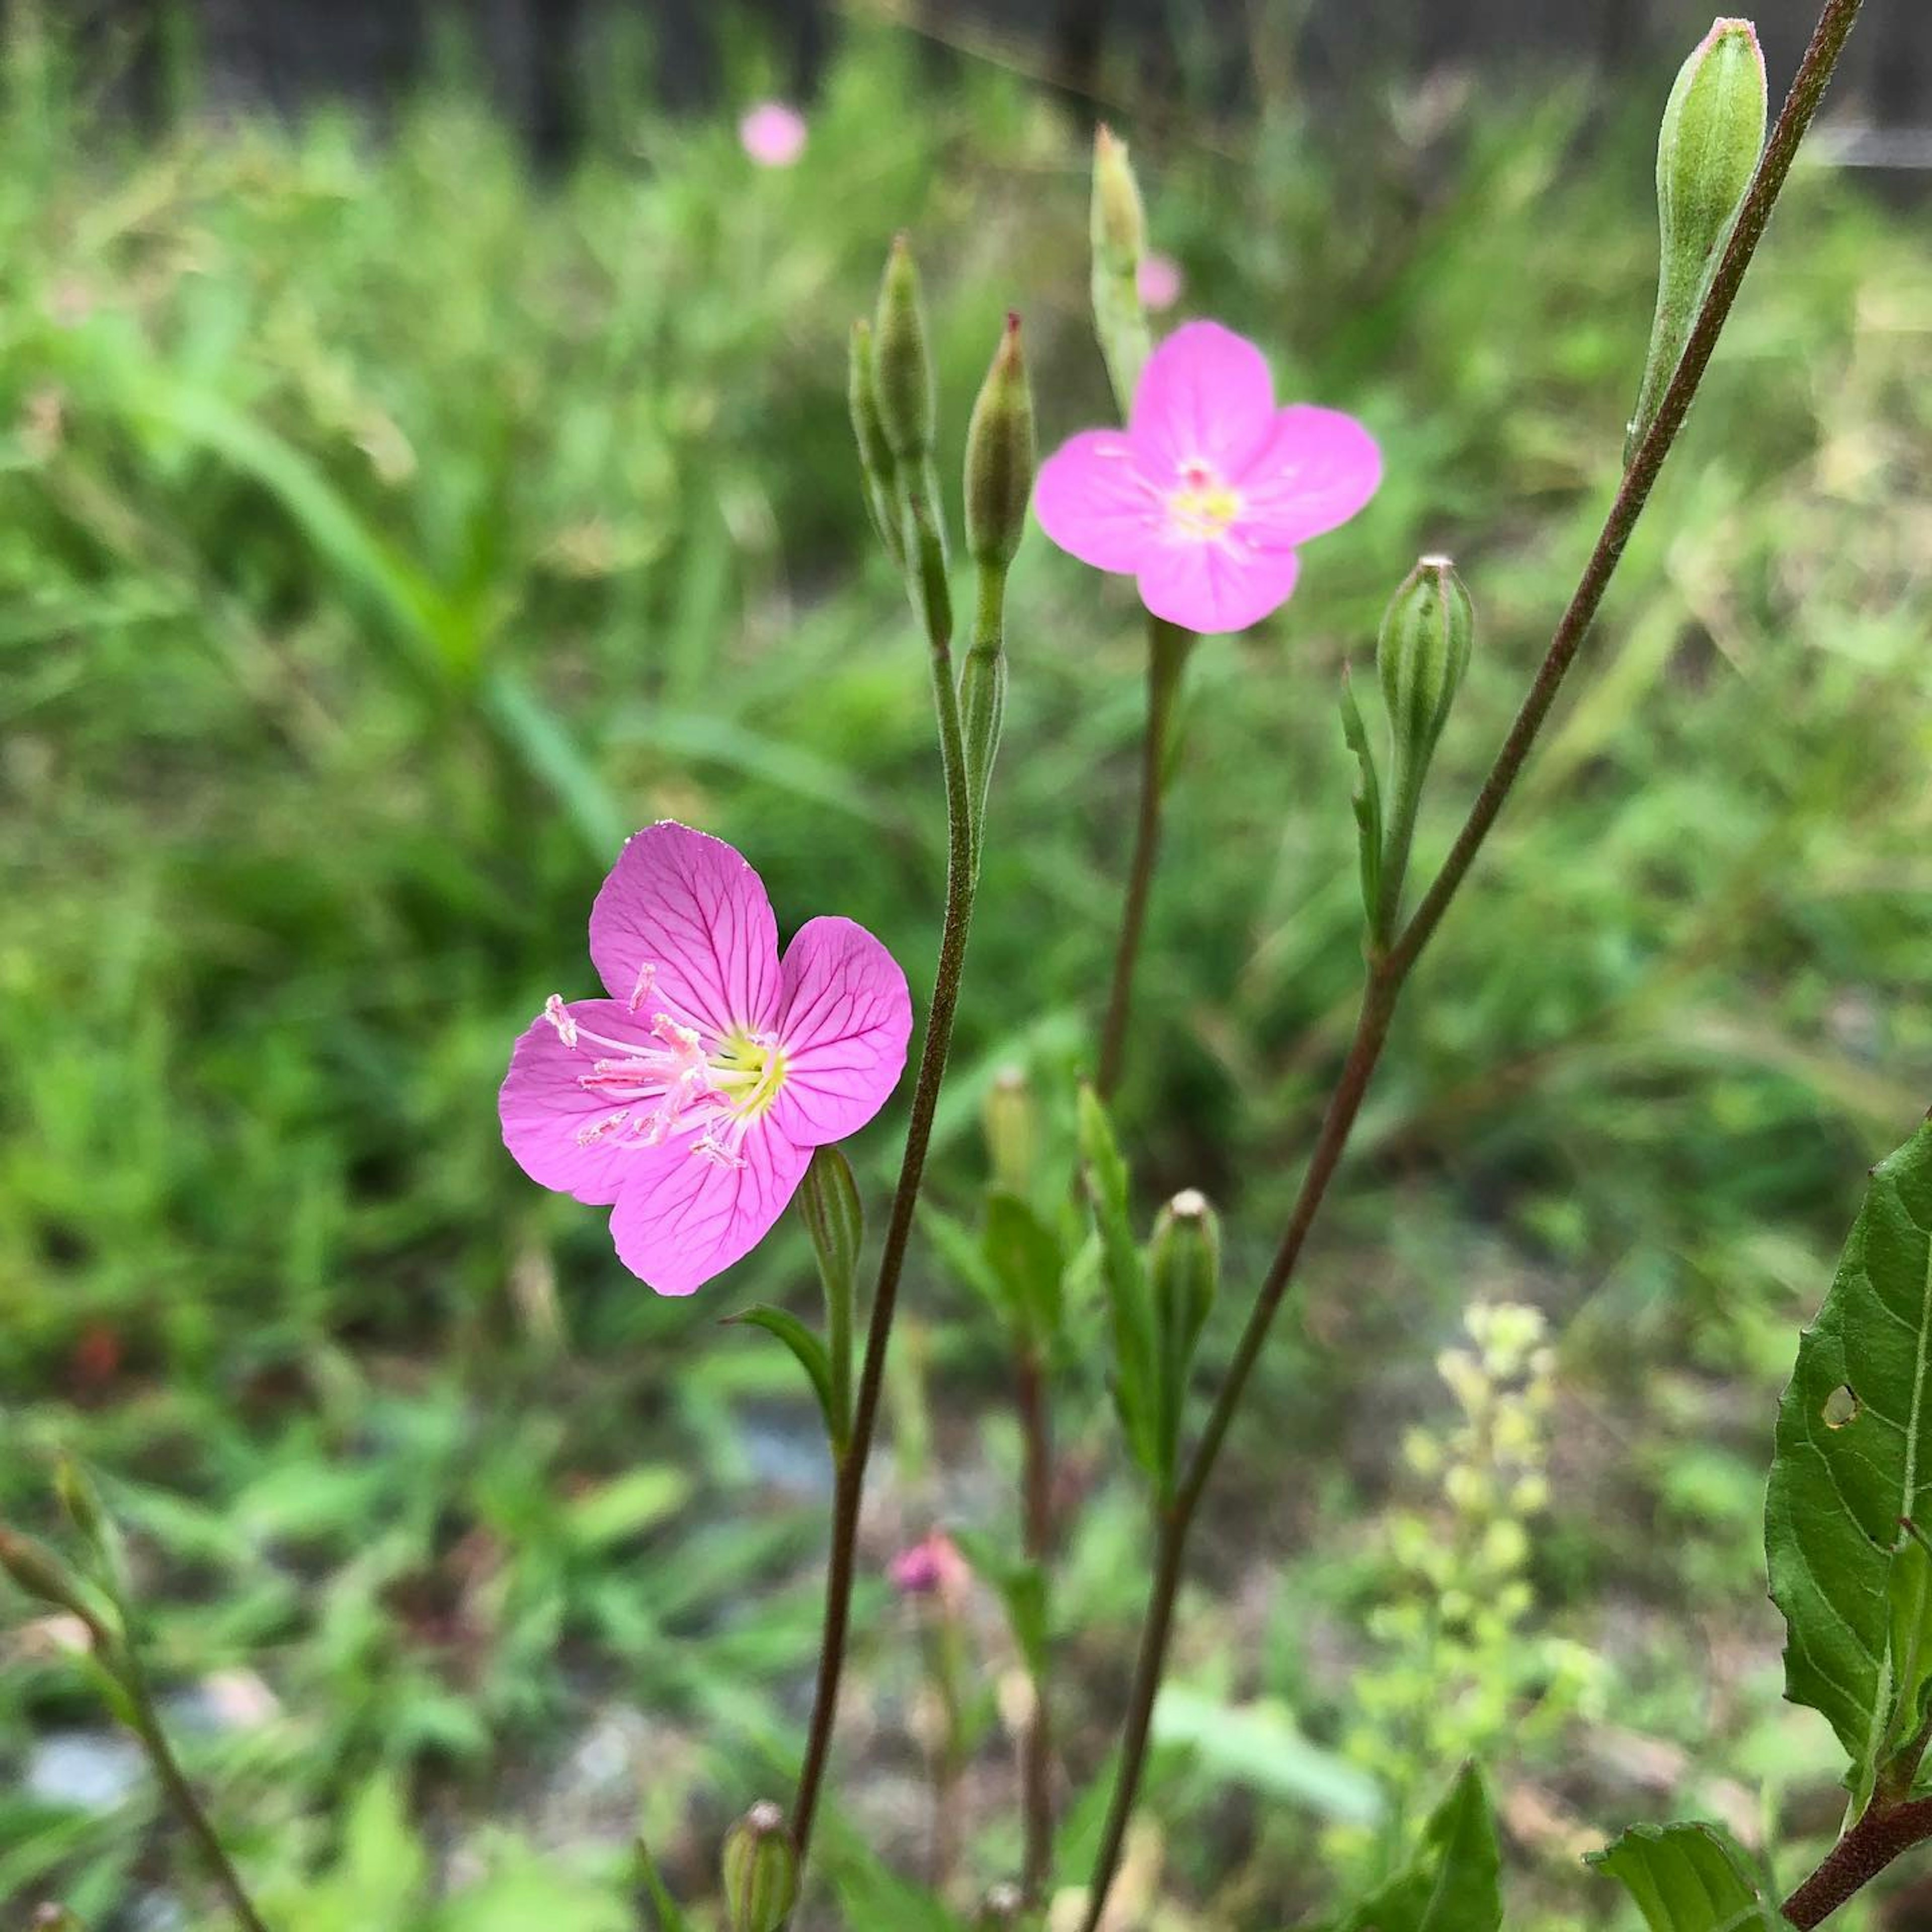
545 1109
1316 468
1205 395
1211 587
682 1219
688 907
843 1025
1095 500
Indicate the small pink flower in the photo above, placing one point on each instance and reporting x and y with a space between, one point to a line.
1159 280
933 1567
1205 495
691 1100
772 134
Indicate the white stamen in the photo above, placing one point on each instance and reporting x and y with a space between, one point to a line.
555 1012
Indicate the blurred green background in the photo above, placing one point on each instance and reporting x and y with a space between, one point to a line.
385 531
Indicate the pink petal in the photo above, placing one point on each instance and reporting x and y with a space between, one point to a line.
543 1109
688 906
1205 396
772 134
1211 587
1316 469
843 1028
682 1219
1095 501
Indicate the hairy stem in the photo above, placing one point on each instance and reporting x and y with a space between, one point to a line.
1884 1832
1387 974
848 1494
1036 1744
1167 646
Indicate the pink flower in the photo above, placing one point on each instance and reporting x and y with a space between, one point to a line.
1205 495
690 1100
1159 280
932 1566
772 134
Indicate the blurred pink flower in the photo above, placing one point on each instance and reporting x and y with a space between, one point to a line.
691 1100
772 134
1159 280
1205 495
932 1566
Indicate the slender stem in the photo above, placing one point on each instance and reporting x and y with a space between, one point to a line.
848 1494
1167 646
146 1722
1387 975
1036 1744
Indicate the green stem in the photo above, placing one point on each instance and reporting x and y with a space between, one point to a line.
1386 973
1036 1744
848 1493
1168 647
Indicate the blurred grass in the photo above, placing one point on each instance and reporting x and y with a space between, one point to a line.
383 534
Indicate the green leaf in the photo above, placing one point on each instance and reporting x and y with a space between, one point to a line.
1260 1745
1022 1585
1025 1258
627 1506
811 1351
1455 1884
1853 1462
670 1916
1685 1878
965 1256
1124 1274
1368 801
829 1204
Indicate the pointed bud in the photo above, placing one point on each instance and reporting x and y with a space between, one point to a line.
1184 1270
43 1576
1011 1120
901 366
1119 233
80 1498
999 456
761 1867
999 1909
1707 152
1427 634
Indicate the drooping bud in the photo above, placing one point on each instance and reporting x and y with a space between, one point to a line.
1184 1267
1012 1121
1707 152
1428 632
1119 233
999 1908
999 456
902 365
761 1870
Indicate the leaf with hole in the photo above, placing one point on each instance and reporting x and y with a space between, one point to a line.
1852 1465
1685 1878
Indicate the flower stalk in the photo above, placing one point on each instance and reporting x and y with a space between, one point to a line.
1388 973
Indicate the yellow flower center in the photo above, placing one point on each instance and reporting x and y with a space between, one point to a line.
747 1072
1205 504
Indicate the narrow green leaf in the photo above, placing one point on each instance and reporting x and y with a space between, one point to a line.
829 1204
1022 1585
1853 1460
1260 1745
1022 1251
964 1256
1455 1884
670 1917
627 1505
804 1344
1123 1275
1368 801
1685 1878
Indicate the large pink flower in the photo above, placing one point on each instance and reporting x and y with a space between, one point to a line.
690 1100
1206 494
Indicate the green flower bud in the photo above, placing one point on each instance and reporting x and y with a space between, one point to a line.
901 366
999 456
1426 637
1707 152
761 1871
43 1576
876 462
1119 228
1011 1118
1184 1269
80 1499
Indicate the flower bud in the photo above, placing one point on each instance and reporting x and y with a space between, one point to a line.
761 1871
1707 152
1183 1269
1119 231
1012 1121
999 1908
901 366
1426 637
999 456
43 1576
876 463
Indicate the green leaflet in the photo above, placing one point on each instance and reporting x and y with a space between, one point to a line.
1685 1878
1455 1882
1852 1458
1124 1272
